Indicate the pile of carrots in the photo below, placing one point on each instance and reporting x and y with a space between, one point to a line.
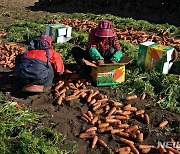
128 34
107 116
8 53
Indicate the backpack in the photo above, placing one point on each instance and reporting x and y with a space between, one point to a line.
33 69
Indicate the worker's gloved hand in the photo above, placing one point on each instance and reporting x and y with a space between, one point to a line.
99 61
113 61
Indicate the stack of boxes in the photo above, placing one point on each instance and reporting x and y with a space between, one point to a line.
152 55
59 32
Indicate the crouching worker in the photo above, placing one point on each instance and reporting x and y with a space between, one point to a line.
37 66
102 46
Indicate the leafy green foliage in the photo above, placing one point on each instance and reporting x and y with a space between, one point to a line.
24 31
19 133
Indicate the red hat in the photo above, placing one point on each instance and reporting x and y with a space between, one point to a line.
46 40
104 29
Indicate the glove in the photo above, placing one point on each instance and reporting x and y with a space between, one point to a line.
117 56
99 61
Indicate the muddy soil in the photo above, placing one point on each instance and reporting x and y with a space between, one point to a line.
66 118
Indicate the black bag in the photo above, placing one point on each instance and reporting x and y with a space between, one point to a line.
33 69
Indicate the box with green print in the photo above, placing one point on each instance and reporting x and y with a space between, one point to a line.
59 32
109 74
152 55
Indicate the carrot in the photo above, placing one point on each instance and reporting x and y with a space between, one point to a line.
99 111
99 122
143 96
62 91
144 146
96 107
94 120
131 97
112 111
123 126
95 139
139 112
84 119
76 92
173 150
59 101
140 138
146 150
60 84
117 104
87 134
103 100
112 120
105 129
114 131
85 115
122 117
130 108
125 113
123 150
93 101
90 96
89 113
102 143
131 129
118 112
133 148
18 106
146 118
83 95
163 124
63 95
126 141
123 134
71 97
99 96
162 150
103 125
95 93
91 129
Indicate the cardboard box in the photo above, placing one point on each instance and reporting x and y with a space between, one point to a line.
109 74
59 32
152 55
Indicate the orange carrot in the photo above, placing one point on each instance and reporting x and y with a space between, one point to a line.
123 134
59 101
99 111
87 134
96 107
102 143
95 139
93 101
162 150
85 115
139 112
133 148
103 125
62 91
146 150
60 84
131 97
112 111
123 150
94 120
83 95
18 106
126 141
71 97
122 117
144 146
146 118
112 120
105 129
116 104
140 138
163 124
91 129
84 119
125 113
89 113
130 108
123 126
114 131
131 129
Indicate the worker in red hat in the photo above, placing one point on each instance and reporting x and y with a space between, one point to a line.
103 45
35 69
